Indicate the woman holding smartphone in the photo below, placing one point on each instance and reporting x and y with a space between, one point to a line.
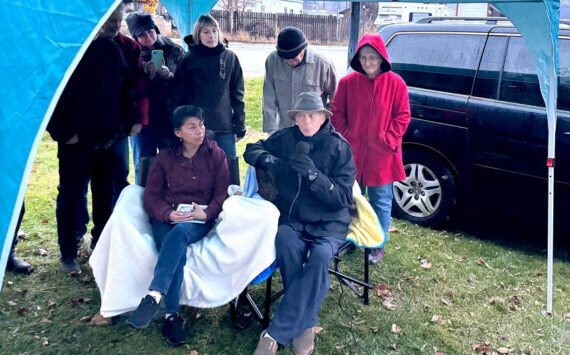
210 76
161 57
194 171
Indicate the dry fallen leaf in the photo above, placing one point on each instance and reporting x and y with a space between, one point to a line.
439 353
339 346
98 319
480 261
21 311
44 221
397 247
85 319
45 341
435 318
445 302
317 330
11 303
50 303
383 291
395 329
504 350
393 229
515 300
462 258
375 329
538 273
41 252
193 352
394 346
443 232
567 316
425 265
388 304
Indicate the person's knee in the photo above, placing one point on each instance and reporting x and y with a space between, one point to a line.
284 237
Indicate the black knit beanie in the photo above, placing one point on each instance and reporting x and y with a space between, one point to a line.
139 22
290 42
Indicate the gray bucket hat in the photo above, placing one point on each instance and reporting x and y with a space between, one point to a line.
308 101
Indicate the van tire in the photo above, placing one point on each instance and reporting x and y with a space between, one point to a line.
428 196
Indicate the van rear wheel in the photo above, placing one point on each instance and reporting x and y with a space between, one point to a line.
428 195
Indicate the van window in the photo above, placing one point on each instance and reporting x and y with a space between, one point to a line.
434 61
487 81
520 82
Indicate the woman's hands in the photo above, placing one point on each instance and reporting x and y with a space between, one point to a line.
151 70
197 214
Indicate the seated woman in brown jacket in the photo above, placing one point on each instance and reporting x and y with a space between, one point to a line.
195 172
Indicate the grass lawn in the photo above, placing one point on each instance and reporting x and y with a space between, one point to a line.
444 292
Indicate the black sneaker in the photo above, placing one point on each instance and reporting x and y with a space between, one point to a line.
142 316
173 330
69 265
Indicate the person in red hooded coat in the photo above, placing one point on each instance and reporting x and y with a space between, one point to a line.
371 110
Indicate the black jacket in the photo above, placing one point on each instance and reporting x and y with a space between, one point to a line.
97 103
211 78
159 88
320 207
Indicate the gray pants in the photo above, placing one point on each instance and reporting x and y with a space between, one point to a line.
305 280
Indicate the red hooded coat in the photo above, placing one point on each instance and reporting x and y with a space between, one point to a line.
373 114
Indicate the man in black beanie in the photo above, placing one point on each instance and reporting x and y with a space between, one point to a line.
291 69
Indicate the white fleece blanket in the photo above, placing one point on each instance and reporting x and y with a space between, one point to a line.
219 267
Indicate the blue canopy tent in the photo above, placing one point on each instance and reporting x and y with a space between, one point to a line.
44 41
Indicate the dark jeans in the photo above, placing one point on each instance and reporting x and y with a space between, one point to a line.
226 141
304 263
153 138
169 270
77 166
121 149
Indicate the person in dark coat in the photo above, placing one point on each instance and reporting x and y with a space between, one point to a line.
211 78
314 173
195 171
158 132
93 114
132 59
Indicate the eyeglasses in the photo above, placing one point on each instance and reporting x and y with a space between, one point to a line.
369 58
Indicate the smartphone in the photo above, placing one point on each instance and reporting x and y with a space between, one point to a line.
158 58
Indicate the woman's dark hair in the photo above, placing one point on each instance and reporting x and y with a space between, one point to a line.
181 113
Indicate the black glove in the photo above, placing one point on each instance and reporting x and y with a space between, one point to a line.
267 162
303 165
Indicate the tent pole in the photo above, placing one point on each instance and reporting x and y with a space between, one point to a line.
354 30
551 115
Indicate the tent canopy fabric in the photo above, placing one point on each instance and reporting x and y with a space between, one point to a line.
44 41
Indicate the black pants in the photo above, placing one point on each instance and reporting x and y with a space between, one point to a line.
78 165
122 167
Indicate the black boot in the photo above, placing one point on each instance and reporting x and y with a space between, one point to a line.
16 264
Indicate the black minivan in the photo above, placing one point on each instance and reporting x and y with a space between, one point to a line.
478 136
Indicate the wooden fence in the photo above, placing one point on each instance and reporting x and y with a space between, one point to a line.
317 29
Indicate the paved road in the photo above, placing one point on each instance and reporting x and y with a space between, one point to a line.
252 56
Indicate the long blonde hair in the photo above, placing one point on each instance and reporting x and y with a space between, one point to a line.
203 21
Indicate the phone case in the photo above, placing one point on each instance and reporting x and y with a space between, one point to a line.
157 58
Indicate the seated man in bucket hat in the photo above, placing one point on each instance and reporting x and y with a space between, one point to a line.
314 172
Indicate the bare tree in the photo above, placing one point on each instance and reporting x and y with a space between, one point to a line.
236 5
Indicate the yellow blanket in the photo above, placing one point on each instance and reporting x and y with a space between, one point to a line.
365 230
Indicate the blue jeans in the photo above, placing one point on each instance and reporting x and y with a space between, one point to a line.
381 200
227 142
169 270
304 263
136 149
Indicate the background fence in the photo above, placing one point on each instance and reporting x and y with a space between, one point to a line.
317 29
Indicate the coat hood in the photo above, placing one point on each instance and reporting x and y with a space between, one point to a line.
376 42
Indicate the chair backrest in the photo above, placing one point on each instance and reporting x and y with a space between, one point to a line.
144 167
146 162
